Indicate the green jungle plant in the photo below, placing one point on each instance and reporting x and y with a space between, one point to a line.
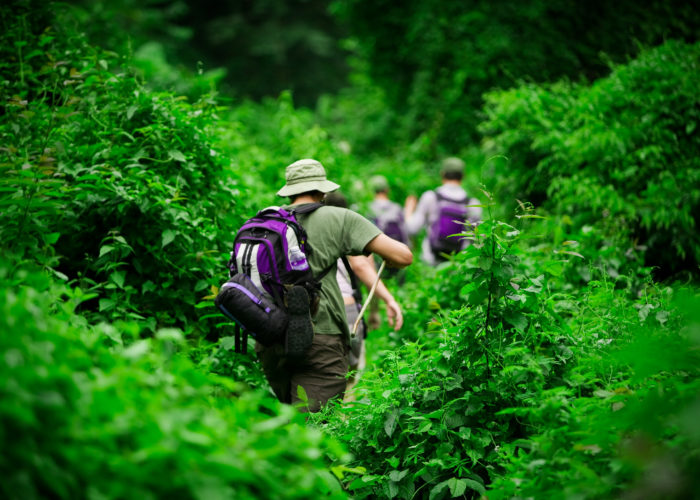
622 423
106 184
93 412
620 156
507 351
450 53
426 425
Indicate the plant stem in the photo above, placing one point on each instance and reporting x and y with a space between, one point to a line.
488 306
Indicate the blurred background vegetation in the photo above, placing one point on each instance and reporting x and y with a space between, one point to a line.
557 355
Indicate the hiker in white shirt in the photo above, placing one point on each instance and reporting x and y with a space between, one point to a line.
442 212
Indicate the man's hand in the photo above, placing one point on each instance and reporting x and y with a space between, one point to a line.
394 315
410 206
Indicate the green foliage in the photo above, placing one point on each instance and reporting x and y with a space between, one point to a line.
542 361
107 183
634 433
507 359
600 155
87 411
434 60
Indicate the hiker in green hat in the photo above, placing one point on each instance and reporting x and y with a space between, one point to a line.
444 212
332 232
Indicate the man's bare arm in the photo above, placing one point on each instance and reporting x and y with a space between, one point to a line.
395 253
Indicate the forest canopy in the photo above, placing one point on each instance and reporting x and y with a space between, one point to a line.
555 356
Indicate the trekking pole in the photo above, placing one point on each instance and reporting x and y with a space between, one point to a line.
369 298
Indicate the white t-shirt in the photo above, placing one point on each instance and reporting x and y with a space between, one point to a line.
343 278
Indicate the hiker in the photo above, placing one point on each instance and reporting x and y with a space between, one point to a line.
363 268
443 212
332 232
386 214
389 217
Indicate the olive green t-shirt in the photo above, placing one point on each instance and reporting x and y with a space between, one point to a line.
333 232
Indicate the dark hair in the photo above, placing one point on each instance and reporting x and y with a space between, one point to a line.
336 199
452 176
315 192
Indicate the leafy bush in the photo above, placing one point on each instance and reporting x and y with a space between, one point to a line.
510 352
107 183
81 419
632 434
620 156
435 60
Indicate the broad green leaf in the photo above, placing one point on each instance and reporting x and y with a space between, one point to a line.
301 394
177 155
51 238
457 486
105 249
168 237
118 278
485 262
555 267
478 296
518 320
391 421
106 305
111 332
228 343
475 485
397 476
437 489
391 489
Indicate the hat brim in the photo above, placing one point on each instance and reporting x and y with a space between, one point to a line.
304 187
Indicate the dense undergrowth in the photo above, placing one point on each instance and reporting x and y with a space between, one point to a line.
542 361
523 385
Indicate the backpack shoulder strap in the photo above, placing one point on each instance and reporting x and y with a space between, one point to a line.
323 273
356 291
306 208
442 197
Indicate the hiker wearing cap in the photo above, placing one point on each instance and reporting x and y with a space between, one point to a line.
386 214
389 217
444 212
332 232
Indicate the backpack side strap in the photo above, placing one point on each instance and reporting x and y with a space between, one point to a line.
442 197
356 291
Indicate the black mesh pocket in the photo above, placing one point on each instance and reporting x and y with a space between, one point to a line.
241 301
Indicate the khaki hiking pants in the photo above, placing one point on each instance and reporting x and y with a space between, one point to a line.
321 372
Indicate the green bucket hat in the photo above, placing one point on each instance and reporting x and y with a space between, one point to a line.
452 165
306 175
378 183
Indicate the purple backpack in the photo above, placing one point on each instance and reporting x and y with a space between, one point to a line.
391 222
452 215
268 257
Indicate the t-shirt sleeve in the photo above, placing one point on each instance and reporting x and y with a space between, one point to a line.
357 233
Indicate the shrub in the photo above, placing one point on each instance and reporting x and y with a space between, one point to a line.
620 156
82 415
107 183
